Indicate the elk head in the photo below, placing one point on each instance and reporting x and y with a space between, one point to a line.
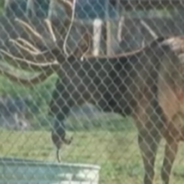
31 51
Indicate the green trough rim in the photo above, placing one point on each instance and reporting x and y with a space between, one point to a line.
31 162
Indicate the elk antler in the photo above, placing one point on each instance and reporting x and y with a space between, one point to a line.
28 63
27 50
27 56
40 56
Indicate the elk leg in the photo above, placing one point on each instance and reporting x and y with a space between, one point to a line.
148 143
149 137
58 131
171 150
60 107
173 135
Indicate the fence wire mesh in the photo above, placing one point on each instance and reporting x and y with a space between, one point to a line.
91 91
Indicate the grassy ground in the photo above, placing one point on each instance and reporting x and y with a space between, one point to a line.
115 151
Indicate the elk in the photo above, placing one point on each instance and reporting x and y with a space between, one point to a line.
136 84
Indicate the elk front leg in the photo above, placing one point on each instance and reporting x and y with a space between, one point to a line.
150 133
58 131
60 107
171 150
148 143
173 134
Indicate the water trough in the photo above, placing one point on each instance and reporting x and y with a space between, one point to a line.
24 171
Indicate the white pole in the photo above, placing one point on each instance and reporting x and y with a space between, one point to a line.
108 29
97 31
120 28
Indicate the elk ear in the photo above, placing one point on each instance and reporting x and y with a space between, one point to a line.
83 46
67 5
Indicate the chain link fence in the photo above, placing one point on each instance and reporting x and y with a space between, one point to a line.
91 91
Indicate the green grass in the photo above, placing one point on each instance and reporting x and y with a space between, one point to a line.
115 151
